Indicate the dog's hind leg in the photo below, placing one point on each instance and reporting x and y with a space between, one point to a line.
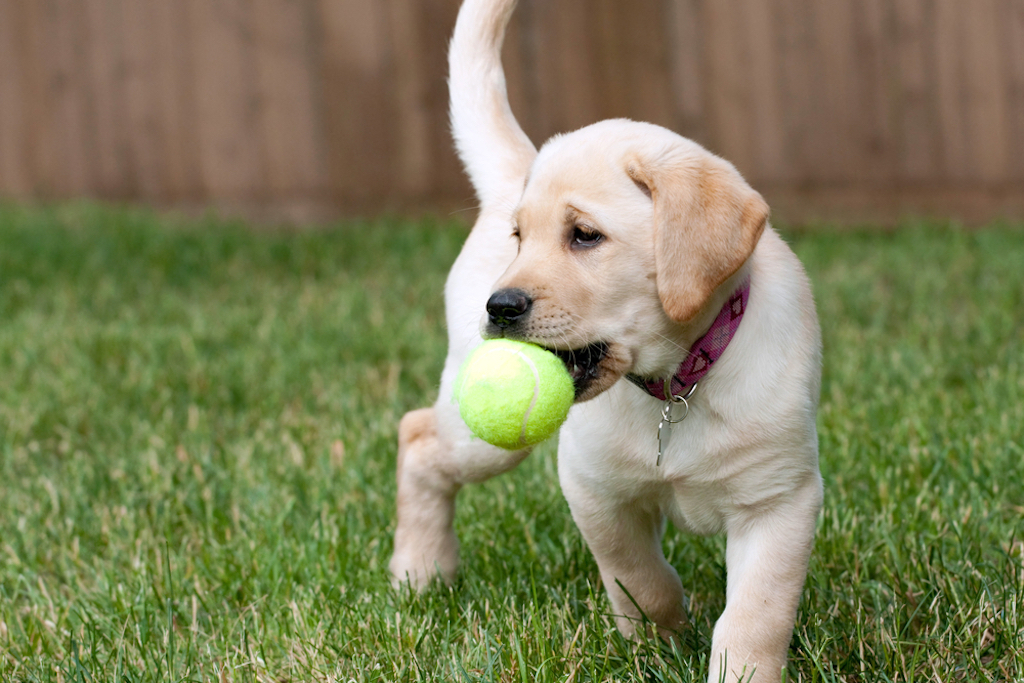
425 543
436 456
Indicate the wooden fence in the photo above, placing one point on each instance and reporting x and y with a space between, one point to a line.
856 108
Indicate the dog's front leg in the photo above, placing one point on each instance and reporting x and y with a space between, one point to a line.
625 539
766 560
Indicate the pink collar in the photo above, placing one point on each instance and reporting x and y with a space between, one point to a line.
705 351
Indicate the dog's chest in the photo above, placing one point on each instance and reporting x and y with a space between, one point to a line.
697 508
618 456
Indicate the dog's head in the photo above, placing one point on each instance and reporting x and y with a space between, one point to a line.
625 232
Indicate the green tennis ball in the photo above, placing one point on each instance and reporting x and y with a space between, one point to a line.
512 394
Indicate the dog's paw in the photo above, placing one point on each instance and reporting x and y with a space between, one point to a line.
420 566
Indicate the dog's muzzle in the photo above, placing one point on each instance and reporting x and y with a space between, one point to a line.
507 314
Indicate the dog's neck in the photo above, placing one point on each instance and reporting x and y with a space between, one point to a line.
704 352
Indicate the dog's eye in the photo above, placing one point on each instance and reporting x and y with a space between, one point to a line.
583 237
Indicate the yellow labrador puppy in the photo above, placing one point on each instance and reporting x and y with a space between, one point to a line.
648 265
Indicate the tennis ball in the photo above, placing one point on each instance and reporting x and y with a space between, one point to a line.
512 394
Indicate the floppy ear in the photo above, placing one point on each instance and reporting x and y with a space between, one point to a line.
707 221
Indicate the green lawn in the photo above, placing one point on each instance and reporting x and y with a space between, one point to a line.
197 451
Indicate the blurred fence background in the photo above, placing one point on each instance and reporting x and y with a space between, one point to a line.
852 109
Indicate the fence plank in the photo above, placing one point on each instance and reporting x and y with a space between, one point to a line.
985 103
919 133
358 111
635 66
686 68
226 97
1013 42
437 26
875 159
145 129
801 89
837 61
175 80
14 180
567 59
949 60
69 97
769 143
413 134
42 135
112 175
729 100
292 130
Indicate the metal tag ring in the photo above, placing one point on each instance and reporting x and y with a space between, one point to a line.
666 414
675 398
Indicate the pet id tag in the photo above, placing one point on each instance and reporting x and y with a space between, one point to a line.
665 425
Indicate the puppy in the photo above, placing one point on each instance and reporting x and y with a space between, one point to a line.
648 265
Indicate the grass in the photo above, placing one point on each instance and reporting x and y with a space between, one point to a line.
197 456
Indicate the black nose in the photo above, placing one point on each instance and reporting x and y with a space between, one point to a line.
507 305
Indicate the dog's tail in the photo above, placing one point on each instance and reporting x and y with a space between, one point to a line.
495 150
